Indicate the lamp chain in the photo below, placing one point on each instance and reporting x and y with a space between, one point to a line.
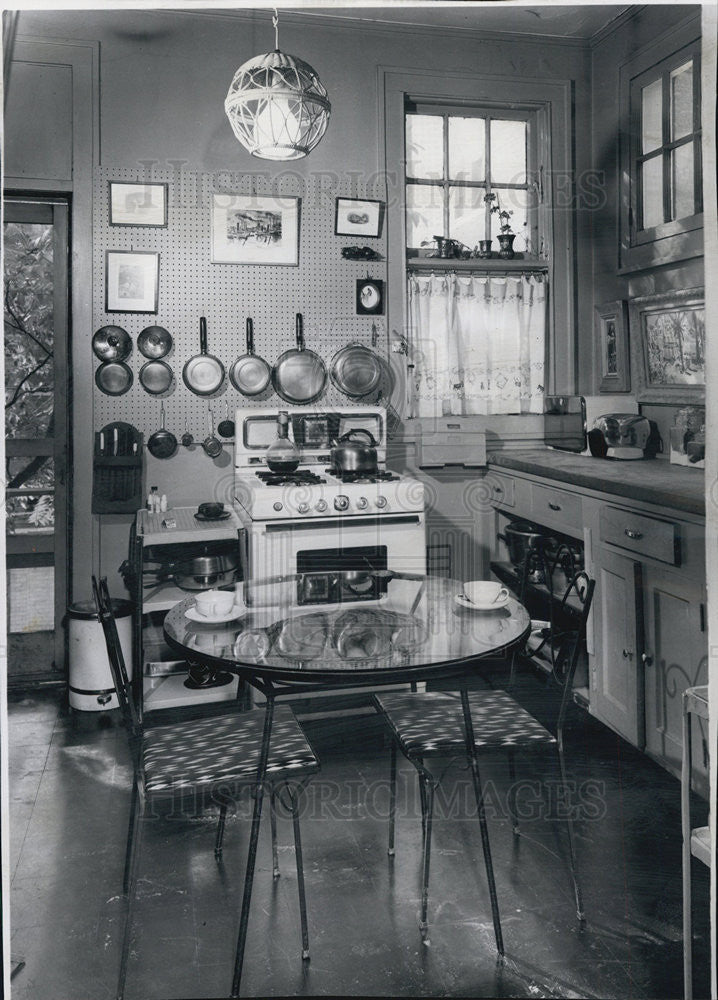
275 22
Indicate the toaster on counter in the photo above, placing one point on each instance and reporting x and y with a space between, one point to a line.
623 435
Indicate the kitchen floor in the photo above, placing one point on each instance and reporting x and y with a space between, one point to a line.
70 792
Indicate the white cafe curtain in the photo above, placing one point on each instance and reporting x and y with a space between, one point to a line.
478 343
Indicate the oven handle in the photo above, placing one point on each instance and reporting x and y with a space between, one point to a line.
333 522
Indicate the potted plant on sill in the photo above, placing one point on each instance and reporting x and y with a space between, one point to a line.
505 236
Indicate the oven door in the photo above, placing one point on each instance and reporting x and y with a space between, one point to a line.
391 541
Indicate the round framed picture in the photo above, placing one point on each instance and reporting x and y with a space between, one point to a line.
370 296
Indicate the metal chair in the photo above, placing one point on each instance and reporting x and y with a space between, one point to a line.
439 724
207 761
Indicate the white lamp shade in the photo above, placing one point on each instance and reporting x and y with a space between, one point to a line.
277 106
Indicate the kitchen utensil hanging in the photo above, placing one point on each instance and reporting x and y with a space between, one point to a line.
211 444
203 373
156 377
355 370
112 343
163 443
187 438
154 342
225 427
113 377
250 374
299 375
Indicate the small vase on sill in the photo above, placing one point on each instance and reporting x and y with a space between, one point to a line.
484 248
506 245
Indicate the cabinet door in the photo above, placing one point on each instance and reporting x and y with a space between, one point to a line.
616 694
675 657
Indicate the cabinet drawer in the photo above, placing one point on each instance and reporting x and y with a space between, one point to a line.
556 508
647 536
502 489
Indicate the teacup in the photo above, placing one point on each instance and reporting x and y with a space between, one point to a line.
214 603
483 592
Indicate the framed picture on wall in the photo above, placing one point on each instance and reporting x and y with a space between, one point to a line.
138 204
248 229
612 340
132 281
355 217
669 346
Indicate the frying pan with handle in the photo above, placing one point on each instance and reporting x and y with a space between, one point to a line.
355 370
250 374
299 376
203 373
163 443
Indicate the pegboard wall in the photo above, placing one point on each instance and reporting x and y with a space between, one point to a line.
322 287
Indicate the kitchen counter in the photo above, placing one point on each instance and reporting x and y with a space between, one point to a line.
652 481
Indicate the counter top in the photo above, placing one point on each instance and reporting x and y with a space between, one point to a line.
651 481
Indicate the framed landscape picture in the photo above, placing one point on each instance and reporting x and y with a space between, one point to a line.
132 281
356 217
138 204
612 339
669 346
248 229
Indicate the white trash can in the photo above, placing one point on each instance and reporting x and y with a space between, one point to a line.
91 686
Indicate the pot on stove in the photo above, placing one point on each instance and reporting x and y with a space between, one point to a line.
355 451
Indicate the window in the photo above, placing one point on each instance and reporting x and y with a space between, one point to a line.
661 175
468 172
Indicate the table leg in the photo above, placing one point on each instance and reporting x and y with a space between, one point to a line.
478 791
253 840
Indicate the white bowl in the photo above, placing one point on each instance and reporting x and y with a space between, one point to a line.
213 603
484 593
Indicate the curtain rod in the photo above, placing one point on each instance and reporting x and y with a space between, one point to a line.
477 273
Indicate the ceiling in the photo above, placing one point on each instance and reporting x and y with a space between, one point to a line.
558 20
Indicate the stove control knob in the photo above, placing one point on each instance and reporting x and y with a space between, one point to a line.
381 502
362 503
341 502
321 506
277 505
303 508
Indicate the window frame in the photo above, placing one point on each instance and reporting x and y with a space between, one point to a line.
486 111
678 239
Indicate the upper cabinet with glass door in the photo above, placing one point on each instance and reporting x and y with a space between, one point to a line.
662 205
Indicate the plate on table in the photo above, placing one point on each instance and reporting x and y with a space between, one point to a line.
194 615
208 520
463 601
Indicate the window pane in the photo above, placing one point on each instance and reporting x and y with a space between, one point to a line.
652 115
425 146
467 139
517 203
508 152
652 192
467 215
28 510
682 101
682 178
424 214
29 330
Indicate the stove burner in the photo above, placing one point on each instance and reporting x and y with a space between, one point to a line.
378 476
300 477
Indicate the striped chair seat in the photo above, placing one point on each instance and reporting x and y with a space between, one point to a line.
433 723
224 750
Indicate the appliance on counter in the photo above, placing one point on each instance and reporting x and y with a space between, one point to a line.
564 425
623 436
316 519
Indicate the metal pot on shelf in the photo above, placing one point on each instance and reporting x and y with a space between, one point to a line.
525 540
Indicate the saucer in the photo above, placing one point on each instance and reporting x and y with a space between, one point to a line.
194 615
208 520
464 602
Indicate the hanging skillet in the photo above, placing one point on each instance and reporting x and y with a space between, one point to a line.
355 370
163 443
154 342
250 374
203 373
156 377
112 343
113 377
299 376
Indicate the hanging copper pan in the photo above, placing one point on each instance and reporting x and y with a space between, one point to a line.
156 377
355 370
113 377
299 376
203 374
154 342
112 343
250 374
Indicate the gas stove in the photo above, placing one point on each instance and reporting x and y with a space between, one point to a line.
315 489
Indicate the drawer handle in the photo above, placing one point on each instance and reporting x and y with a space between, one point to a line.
627 654
498 489
554 506
633 534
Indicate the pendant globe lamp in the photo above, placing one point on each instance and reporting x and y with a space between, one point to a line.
277 105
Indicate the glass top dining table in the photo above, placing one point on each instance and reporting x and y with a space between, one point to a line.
387 628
